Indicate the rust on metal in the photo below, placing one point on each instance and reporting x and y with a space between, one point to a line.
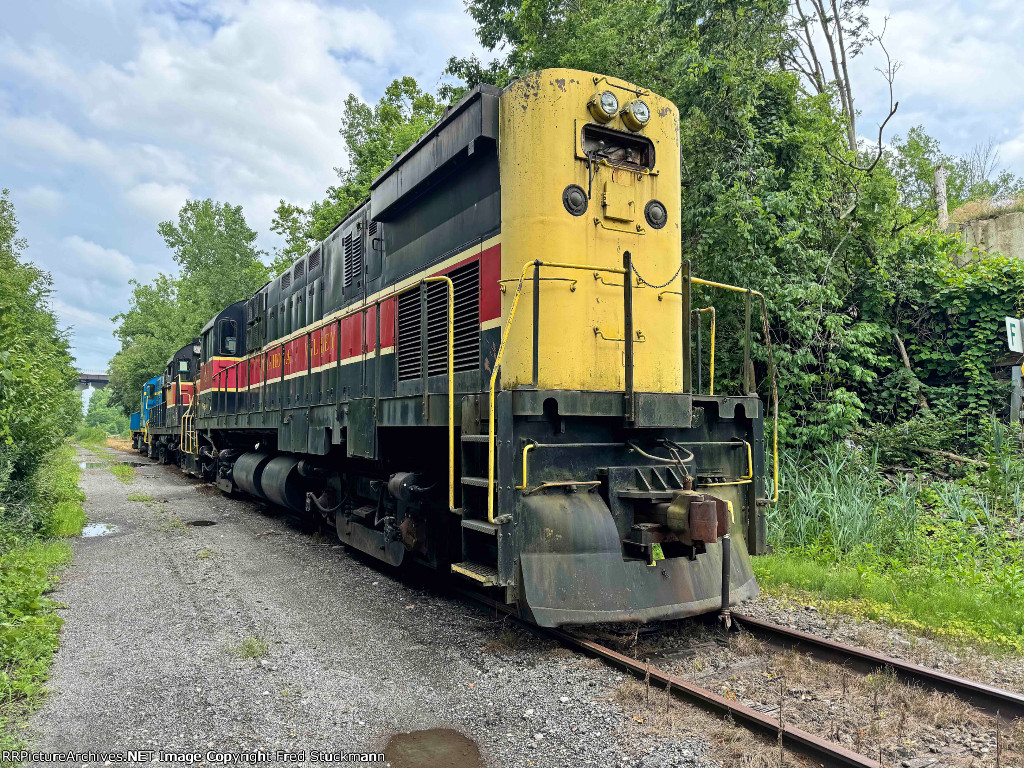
828 753
987 697
703 520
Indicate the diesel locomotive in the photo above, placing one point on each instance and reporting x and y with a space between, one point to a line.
487 368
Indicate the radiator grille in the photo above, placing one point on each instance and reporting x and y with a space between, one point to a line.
353 258
286 280
466 281
314 260
300 269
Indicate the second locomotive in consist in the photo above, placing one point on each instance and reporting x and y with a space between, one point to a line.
486 368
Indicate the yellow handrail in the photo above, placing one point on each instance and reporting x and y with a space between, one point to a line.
747 478
501 352
451 384
711 387
771 366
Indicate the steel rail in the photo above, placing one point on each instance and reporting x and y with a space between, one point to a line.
986 697
824 752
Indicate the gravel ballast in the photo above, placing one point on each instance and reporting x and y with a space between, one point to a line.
252 634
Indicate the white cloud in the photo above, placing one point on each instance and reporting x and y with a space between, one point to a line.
249 107
81 319
123 162
43 198
104 264
158 202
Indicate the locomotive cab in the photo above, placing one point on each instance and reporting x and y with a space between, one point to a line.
222 345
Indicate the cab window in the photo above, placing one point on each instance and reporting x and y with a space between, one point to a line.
228 332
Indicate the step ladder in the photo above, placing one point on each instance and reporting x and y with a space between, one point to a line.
483 542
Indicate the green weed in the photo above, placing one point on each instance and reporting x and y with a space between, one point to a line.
92 436
250 648
143 497
174 524
205 554
123 472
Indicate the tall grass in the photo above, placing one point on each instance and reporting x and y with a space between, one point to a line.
945 556
838 505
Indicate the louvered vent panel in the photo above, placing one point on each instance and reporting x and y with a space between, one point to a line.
353 258
467 316
466 281
372 229
300 269
409 335
314 260
286 280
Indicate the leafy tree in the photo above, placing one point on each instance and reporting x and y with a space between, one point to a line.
220 264
38 404
914 159
216 250
293 224
101 414
374 136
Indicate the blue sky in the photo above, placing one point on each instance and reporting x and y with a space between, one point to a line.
113 112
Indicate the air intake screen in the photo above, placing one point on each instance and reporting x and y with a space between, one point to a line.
300 269
286 280
353 258
466 281
314 260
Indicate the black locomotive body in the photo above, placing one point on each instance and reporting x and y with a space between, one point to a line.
475 371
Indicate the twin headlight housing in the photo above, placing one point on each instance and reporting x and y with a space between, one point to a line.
604 105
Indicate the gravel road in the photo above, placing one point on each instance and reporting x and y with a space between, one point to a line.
251 634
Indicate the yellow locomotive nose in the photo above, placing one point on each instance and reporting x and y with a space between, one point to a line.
590 171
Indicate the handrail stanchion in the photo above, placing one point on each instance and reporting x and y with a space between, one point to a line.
684 277
500 354
451 384
627 330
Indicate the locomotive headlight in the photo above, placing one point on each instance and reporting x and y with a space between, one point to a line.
603 106
635 115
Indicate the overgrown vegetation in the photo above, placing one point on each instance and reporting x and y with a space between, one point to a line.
39 496
941 555
123 472
101 415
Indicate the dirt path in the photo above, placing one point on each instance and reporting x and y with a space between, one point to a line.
250 634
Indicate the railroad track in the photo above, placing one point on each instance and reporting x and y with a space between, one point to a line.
824 752
995 701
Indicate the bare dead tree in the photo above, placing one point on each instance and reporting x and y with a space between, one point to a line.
889 73
843 28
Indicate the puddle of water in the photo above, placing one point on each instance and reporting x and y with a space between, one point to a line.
200 523
92 530
432 748
91 464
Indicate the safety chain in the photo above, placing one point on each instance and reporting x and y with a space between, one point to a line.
667 282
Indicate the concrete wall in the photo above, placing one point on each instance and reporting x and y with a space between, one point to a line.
999 234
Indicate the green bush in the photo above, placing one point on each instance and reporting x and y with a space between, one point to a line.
29 630
111 420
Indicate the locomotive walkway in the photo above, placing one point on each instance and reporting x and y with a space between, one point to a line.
252 634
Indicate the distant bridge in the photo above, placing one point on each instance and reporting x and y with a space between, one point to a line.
94 380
